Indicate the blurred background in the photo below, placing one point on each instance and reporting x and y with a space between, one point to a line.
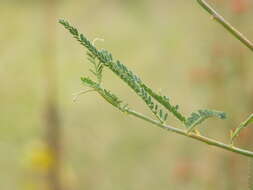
49 142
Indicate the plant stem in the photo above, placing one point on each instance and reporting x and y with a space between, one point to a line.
206 140
226 24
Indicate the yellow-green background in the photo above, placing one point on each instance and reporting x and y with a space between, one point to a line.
174 46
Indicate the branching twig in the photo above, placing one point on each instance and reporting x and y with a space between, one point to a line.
153 100
206 140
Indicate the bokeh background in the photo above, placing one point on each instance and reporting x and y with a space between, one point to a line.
49 142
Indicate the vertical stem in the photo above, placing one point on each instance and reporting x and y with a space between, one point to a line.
52 121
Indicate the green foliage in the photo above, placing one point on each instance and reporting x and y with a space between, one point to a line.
105 59
197 118
98 67
154 101
243 125
164 100
135 83
84 41
106 94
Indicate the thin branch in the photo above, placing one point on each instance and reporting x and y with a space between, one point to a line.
198 137
135 83
226 24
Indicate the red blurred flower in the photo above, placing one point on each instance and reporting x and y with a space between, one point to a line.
240 6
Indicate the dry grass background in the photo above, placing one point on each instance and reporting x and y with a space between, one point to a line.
173 45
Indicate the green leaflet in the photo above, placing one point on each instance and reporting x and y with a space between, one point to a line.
90 83
98 67
197 118
164 100
106 94
102 56
134 82
243 125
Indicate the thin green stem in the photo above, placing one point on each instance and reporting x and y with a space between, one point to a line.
226 24
195 136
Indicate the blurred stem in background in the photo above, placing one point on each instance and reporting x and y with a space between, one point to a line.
51 112
240 8
216 16
223 78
